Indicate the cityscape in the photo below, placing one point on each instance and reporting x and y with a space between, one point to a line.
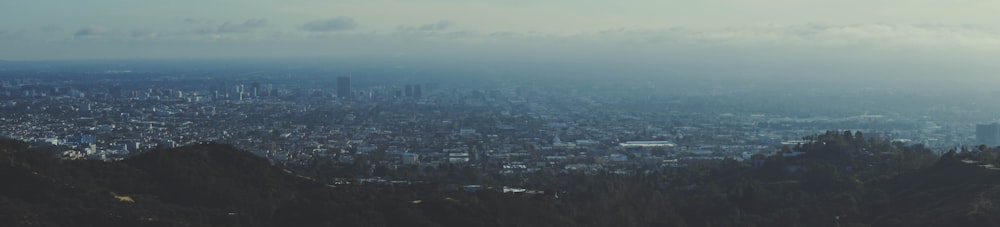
489 113
230 143
508 127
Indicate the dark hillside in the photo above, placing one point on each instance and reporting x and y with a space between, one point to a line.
838 180
950 193
216 176
218 185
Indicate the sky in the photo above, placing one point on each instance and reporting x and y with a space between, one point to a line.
745 36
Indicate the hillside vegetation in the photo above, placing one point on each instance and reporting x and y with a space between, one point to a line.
840 179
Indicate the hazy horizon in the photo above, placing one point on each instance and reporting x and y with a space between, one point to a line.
890 41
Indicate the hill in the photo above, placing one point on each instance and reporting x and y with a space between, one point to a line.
950 193
218 185
841 179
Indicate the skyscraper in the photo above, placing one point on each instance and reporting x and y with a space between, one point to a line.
988 134
256 88
413 90
344 87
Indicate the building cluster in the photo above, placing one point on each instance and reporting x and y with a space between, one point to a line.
506 128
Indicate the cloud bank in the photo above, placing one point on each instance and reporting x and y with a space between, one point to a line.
90 32
328 25
228 27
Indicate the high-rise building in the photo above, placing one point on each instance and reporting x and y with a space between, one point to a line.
344 87
240 89
256 89
413 90
988 134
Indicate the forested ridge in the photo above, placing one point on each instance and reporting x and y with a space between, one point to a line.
839 179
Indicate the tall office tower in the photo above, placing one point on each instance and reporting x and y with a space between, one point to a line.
240 90
344 87
988 134
256 89
409 90
416 90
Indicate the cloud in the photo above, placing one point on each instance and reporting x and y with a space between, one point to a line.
440 25
873 35
90 32
144 34
198 20
255 23
328 25
877 35
50 28
246 26
7 34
